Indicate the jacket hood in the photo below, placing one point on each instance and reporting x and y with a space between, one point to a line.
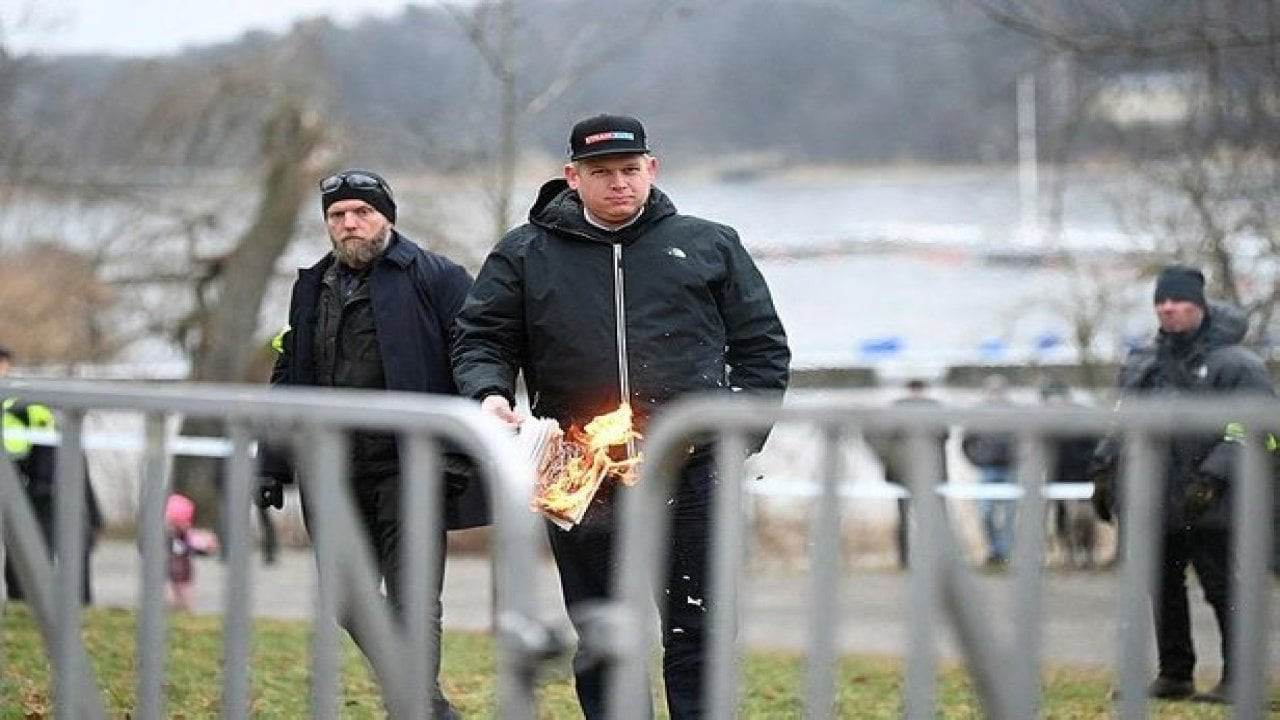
1227 325
559 209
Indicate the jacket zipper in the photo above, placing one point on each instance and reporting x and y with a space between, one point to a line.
620 319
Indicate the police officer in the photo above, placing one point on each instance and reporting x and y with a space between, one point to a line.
1196 351
36 466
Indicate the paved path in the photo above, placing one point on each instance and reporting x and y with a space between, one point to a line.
1079 607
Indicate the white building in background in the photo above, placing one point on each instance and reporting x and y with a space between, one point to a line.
1159 98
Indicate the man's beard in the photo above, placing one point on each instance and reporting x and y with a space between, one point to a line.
359 254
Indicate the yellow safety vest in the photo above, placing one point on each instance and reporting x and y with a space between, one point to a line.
39 417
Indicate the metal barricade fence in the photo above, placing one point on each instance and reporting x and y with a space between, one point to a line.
1004 662
317 422
1006 672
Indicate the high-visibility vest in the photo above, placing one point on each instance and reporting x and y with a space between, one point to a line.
37 417
1235 433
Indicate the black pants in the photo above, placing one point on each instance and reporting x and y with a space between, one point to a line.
1208 552
584 558
377 501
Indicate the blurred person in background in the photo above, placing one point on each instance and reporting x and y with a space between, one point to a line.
1074 523
1195 352
893 451
37 468
993 454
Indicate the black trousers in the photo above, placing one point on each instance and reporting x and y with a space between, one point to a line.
377 501
1209 553
584 558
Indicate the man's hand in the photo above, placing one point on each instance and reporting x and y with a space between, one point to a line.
1103 499
497 406
1197 498
269 493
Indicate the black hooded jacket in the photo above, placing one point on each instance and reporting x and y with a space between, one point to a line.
1209 361
697 313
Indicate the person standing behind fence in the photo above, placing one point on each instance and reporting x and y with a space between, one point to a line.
376 313
893 454
1075 525
37 467
607 287
993 454
1196 352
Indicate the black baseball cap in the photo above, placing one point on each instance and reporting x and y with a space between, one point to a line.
607 135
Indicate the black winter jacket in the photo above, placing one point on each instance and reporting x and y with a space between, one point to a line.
698 314
415 295
1212 361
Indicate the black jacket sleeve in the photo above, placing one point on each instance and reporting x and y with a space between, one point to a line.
487 348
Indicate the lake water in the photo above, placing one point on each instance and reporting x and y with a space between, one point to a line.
945 273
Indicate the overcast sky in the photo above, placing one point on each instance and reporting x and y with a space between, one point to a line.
150 27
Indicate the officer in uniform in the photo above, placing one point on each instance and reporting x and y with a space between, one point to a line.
36 466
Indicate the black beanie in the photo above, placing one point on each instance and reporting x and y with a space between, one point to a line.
358 185
1178 282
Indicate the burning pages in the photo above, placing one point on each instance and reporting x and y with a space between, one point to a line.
571 466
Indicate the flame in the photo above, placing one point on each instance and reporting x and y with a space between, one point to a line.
584 458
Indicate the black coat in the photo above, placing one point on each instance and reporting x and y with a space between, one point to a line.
1212 361
698 314
415 295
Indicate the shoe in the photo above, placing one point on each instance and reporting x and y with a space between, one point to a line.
1164 688
1219 695
443 710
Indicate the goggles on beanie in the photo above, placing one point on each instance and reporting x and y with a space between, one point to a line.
355 180
358 185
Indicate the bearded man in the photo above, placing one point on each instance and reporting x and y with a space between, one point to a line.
376 313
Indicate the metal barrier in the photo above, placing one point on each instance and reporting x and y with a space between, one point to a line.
318 421
1006 674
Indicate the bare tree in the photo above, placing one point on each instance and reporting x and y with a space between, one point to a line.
1211 160
493 28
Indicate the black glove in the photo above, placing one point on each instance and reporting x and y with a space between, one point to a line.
1197 498
269 493
1103 498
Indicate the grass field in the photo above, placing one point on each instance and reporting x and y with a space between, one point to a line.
773 683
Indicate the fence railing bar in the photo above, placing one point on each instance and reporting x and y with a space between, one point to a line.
69 521
924 583
324 470
825 586
1034 458
420 521
237 621
726 561
153 619
1252 507
1140 506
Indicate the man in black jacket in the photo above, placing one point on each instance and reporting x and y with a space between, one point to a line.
609 297
376 313
1196 351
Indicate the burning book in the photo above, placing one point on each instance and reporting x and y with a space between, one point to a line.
572 466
